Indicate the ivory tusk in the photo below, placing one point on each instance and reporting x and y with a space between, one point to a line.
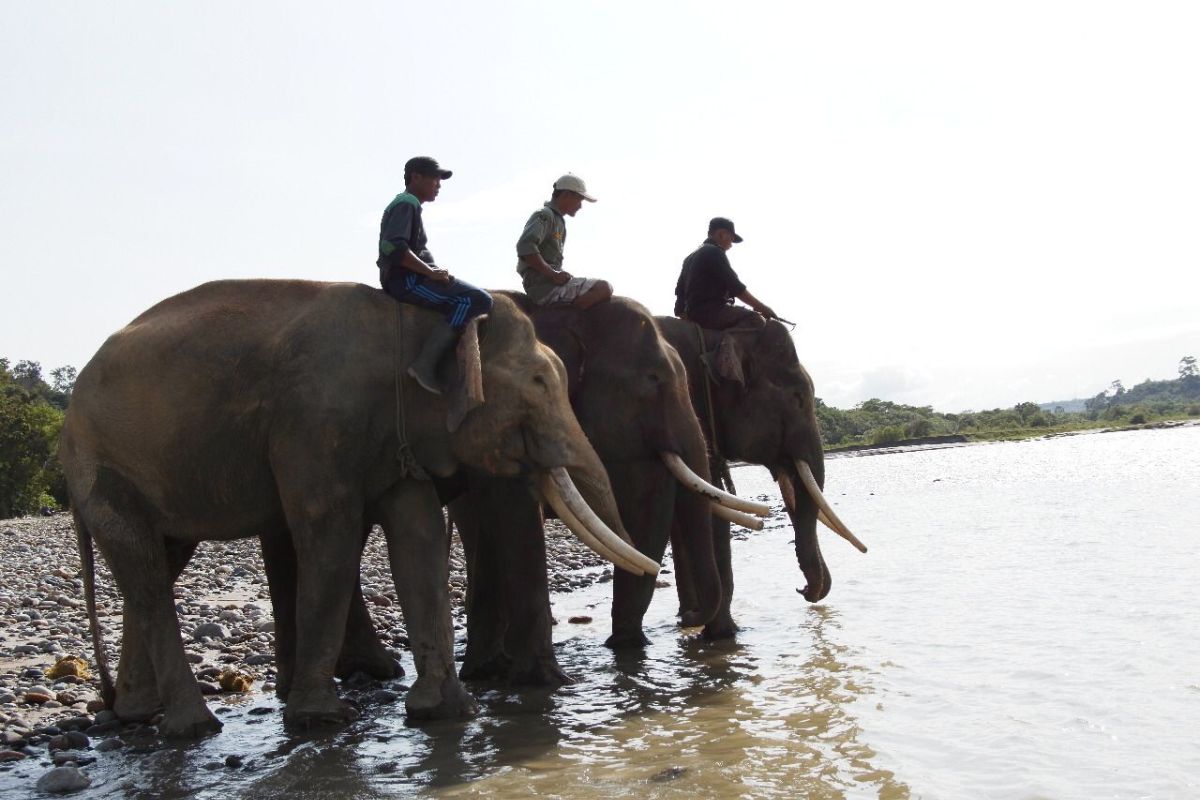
691 480
737 517
789 500
814 491
555 499
578 507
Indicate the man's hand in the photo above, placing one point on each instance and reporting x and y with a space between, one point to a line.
767 312
440 275
561 277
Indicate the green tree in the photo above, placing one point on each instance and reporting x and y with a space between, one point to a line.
1188 368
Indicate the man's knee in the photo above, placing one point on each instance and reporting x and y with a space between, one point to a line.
482 302
600 292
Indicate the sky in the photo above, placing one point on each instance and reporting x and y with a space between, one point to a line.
961 205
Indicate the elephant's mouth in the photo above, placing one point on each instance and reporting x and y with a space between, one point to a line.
804 512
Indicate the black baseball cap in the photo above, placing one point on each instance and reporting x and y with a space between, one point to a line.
719 223
424 165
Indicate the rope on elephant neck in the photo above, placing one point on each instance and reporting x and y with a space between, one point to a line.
409 468
720 467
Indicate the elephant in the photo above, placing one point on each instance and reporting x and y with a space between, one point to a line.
628 390
763 408
282 409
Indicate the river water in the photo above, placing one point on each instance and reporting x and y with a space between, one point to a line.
1024 626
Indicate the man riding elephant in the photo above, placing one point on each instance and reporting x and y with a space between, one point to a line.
707 285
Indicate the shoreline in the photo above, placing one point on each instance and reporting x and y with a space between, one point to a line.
964 440
50 724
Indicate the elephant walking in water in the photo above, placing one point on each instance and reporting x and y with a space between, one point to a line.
764 412
282 409
628 389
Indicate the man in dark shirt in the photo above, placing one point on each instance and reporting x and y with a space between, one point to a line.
708 285
407 271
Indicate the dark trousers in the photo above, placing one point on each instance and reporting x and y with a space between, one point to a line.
719 318
458 300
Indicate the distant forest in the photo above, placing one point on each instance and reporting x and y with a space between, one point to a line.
32 408
881 423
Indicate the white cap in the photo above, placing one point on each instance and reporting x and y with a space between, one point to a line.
573 183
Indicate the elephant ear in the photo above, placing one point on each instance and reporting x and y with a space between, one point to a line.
729 358
466 393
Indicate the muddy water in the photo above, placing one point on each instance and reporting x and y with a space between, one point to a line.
1024 626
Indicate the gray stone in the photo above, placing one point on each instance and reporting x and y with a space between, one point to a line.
210 630
62 780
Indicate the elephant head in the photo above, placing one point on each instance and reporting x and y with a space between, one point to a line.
766 414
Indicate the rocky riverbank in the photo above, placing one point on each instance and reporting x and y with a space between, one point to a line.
52 721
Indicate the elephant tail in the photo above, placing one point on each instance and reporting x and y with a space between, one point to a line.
87 558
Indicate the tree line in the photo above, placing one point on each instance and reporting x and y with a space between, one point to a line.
32 408
881 422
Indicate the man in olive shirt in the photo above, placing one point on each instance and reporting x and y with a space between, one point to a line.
540 251
707 285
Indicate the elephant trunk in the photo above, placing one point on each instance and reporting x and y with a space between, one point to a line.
802 511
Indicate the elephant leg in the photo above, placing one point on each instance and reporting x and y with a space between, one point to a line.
506 582
645 494
279 561
419 552
139 560
722 625
362 650
684 585
487 615
135 671
326 542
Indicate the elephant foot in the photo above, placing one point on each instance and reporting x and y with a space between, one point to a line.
431 698
136 704
627 640
691 619
190 722
723 627
369 657
316 708
539 673
494 668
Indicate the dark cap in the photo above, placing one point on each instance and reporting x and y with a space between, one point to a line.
719 223
424 165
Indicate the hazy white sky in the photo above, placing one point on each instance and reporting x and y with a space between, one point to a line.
964 205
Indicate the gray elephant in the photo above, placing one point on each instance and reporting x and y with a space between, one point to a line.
763 409
281 408
628 389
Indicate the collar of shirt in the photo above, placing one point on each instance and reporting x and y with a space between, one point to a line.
554 210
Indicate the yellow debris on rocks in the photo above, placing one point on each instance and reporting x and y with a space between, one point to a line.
233 681
69 665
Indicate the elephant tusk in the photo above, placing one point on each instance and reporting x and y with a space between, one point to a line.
789 500
814 491
580 530
560 491
691 480
737 517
